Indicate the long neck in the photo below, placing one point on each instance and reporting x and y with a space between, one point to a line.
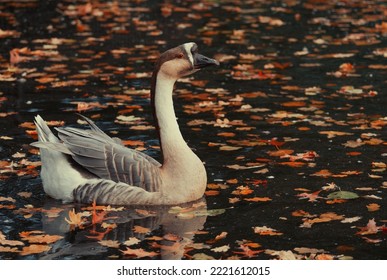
171 141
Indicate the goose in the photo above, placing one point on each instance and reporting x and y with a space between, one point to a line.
87 165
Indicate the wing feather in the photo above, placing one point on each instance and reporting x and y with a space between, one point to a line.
108 159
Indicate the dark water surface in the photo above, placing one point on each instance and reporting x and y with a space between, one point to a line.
295 114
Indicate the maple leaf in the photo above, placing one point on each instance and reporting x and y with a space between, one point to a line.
140 229
132 241
34 249
98 235
221 249
247 252
258 199
371 228
330 187
9 249
109 243
39 237
332 134
322 173
139 253
4 241
96 217
266 231
75 219
310 196
220 236
373 207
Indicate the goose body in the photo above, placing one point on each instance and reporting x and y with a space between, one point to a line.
88 165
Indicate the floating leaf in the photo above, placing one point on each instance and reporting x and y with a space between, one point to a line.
221 249
343 195
34 249
139 253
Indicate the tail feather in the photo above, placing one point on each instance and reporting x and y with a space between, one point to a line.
44 132
59 176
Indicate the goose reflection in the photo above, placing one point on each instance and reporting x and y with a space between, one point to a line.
170 231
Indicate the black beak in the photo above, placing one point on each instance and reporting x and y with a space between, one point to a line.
201 61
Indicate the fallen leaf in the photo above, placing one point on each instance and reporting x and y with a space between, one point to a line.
371 228
140 229
34 249
322 173
258 199
373 207
310 196
350 220
139 253
8 249
343 195
75 219
247 252
132 241
332 134
39 237
266 231
109 243
221 249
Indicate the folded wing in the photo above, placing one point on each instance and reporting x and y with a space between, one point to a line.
108 159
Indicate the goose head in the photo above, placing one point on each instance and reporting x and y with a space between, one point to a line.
182 60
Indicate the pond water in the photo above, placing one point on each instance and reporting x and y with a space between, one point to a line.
291 126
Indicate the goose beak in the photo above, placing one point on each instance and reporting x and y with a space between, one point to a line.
201 61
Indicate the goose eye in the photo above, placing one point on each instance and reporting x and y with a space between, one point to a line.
180 55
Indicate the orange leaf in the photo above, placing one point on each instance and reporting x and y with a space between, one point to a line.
211 193
258 199
373 207
293 163
246 251
353 153
140 229
322 173
280 153
336 200
294 104
35 237
139 253
266 231
300 213
34 249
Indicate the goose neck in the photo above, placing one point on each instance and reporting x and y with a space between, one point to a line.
171 140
